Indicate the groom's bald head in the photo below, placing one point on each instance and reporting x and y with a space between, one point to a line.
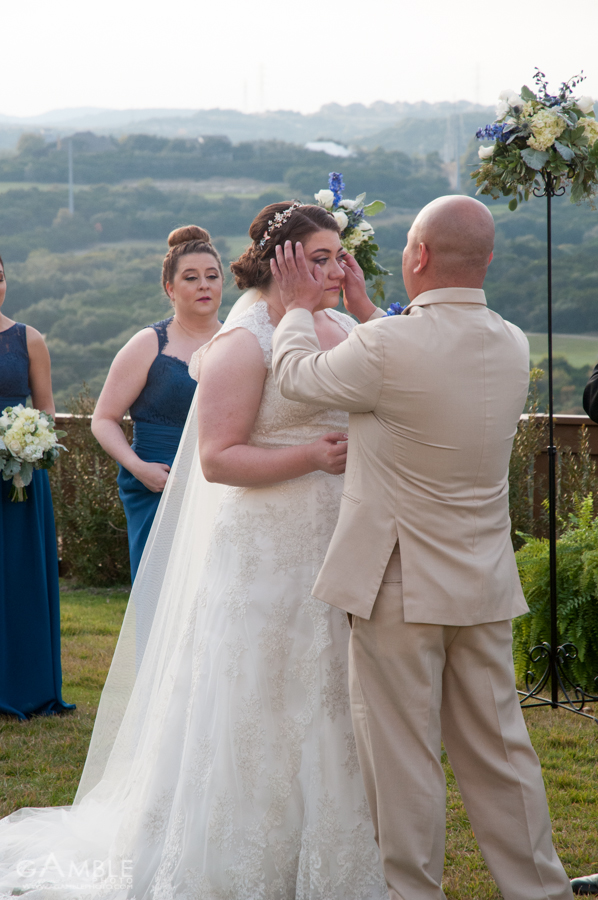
449 245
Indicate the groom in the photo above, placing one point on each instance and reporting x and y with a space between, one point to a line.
421 557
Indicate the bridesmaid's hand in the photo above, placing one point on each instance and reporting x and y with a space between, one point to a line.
330 453
153 475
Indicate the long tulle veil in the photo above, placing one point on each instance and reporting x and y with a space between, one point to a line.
162 595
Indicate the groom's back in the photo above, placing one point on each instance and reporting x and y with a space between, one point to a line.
428 467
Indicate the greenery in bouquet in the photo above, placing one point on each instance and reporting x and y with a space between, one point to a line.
357 235
28 441
538 135
577 573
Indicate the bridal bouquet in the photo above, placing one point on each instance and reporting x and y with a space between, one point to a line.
28 441
356 234
538 134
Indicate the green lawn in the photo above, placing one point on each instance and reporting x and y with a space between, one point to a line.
41 760
579 350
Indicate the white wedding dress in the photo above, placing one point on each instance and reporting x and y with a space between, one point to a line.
227 769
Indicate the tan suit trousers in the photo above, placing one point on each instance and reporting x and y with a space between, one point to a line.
412 685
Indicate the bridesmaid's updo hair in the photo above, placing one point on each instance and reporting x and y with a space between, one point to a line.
252 269
188 239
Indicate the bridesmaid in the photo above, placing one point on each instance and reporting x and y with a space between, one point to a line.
149 377
30 670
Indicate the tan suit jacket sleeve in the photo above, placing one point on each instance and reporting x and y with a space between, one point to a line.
347 377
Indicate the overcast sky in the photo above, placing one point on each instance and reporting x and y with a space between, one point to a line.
251 55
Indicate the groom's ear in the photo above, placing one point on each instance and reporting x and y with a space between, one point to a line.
424 258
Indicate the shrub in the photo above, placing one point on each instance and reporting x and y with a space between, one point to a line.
577 585
90 520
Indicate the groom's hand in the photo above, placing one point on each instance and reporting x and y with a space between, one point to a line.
355 295
299 289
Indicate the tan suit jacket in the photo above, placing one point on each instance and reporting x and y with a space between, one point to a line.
434 397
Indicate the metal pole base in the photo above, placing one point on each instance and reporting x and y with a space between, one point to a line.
575 698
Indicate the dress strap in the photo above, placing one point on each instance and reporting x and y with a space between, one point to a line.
161 329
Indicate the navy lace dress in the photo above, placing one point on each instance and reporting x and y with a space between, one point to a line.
159 414
30 670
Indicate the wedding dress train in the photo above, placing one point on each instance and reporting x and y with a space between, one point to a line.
224 765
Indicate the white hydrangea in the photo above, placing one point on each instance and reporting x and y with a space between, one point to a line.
590 127
546 127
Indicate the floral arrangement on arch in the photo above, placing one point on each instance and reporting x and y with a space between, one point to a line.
28 441
356 234
539 134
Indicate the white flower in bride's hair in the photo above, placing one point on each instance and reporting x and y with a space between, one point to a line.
341 219
485 152
348 204
325 198
365 227
586 104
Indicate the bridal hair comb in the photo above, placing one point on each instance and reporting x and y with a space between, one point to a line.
278 221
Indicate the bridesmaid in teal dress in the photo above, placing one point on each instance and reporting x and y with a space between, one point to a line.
149 377
30 669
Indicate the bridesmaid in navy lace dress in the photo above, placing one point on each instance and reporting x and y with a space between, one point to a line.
149 377
30 670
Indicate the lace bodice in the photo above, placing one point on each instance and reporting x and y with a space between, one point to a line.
280 422
14 364
168 391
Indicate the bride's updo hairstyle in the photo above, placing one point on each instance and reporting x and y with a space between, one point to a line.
252 269
185 240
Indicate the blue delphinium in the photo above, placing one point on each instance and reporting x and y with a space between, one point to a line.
491 132
395 309
337 186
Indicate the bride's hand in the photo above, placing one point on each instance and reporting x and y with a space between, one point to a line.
153 475
330 453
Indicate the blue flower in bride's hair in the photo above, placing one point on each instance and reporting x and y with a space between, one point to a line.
337 186
395 309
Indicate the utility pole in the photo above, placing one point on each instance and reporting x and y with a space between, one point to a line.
458 127
71 187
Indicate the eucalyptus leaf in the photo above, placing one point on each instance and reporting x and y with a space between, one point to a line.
526 94
513 204
566 152
372 209
26 473
535 159
359 200
11 467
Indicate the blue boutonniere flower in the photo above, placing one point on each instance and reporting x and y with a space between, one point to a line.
395 309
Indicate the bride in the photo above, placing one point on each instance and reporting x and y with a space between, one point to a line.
223 763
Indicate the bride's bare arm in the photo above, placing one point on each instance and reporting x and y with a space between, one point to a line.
230 391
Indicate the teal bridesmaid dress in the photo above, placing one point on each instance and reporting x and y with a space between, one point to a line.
159 414
30 669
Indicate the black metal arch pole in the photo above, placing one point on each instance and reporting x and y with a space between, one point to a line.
554 684
555 656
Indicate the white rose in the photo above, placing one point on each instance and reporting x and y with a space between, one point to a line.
485 152
341 219
325 198
348 204
365 227
502 108
511 97
586 104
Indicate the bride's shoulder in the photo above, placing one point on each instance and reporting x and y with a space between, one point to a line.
256 320
345 322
